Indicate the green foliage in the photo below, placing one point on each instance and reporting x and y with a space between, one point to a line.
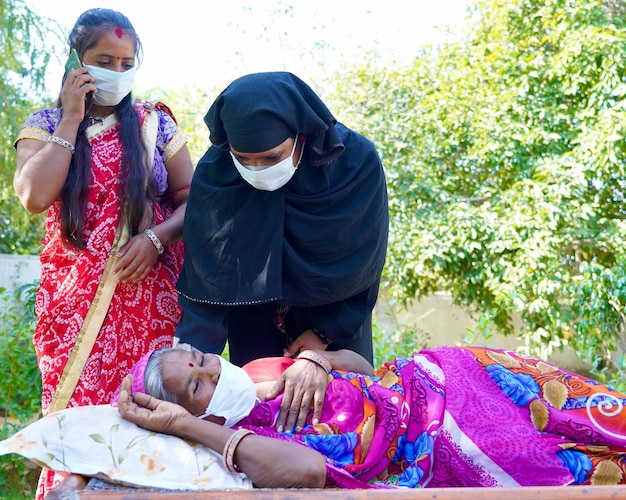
18 478
20 231
23 60
392 337
24 55
26 44
599 306
504 151
20 385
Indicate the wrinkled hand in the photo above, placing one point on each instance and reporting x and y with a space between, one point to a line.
136 259
304 386
148 412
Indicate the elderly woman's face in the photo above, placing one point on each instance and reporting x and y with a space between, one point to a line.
192 376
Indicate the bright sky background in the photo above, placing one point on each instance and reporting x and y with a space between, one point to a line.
208 44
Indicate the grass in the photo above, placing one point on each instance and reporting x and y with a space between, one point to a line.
20 478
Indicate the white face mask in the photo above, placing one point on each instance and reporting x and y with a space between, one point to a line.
112 86
234 396
269 178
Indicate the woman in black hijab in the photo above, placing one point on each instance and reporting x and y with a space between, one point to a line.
286 227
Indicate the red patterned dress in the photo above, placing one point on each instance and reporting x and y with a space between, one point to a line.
141 316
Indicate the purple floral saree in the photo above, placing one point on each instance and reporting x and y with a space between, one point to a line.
463 416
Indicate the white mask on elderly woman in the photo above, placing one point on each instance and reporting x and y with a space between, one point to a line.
234 396
269 178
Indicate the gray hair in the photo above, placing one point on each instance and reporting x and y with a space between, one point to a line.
153 379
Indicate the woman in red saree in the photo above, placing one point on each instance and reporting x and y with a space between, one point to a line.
100 172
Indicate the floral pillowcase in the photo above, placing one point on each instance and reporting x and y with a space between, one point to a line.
96 441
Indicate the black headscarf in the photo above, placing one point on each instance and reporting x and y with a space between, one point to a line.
320 239
258 112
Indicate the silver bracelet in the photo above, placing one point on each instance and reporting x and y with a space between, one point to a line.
62 142
155 240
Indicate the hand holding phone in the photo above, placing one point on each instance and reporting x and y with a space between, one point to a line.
72 63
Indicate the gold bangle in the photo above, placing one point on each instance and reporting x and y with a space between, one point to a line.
62 142
317 359
155 240
228 455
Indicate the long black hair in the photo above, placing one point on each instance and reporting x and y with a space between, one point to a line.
89 27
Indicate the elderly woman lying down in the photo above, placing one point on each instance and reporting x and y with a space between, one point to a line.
448 416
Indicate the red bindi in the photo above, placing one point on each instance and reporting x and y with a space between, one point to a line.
118 58
119 32
191 365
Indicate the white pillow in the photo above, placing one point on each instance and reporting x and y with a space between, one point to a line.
96 441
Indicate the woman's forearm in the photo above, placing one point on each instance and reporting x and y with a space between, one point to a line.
347 360
171 230
268 463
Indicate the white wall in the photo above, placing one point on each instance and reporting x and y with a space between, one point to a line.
16 270
446 324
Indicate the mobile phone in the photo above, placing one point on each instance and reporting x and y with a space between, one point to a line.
73 61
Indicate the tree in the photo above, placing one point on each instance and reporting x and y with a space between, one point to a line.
25 48
504 151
